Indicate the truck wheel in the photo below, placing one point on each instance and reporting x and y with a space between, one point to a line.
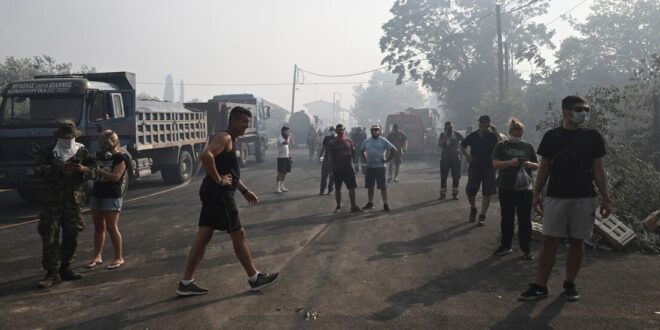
30 196
181 172
261 152
244 154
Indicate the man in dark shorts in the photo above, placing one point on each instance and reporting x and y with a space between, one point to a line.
340 153
373 150
327 179
572 156
481 171
219 211
399 139
449 141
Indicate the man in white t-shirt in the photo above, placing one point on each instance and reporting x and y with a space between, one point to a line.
284 159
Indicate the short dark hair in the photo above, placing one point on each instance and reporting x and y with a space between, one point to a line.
571 100
237 112
448 123
284 128
339 126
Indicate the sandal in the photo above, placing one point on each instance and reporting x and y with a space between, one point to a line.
114 266
94 263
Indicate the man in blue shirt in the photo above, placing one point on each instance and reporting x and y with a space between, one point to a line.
373 150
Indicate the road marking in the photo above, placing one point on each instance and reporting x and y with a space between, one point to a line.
35 218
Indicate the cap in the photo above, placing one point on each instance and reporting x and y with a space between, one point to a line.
375 126
66 130
484 119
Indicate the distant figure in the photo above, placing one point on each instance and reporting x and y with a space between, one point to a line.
107 198
374 150
312 142
358 137
219 211
284 159
572 156
327 178
515 159
450 161
64 167
340 153
399 139
481 171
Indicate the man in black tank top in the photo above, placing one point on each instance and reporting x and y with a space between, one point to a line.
219 211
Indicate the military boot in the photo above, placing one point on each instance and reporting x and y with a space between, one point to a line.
68 275
52 277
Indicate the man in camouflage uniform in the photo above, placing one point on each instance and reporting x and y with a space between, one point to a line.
64 167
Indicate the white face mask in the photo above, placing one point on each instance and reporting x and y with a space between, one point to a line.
579 118
66 143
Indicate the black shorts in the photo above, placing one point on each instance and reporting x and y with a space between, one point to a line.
220 212
284 165
345 175
481 177
375 176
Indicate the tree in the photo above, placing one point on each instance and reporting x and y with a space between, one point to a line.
382 97
451 46
13 68
168 94
143 96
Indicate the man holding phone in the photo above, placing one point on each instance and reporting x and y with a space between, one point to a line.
64 167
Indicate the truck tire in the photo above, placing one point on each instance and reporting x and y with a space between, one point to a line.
181 172
244 154
260 156
30 196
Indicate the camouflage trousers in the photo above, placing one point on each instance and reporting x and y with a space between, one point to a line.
55 219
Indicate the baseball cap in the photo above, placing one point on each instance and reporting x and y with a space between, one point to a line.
484 119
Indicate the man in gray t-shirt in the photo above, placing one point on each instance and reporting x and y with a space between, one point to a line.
374 150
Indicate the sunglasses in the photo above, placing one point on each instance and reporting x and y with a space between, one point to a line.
580 109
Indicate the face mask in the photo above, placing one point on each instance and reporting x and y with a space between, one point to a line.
579 118
66 143
107 145
515 139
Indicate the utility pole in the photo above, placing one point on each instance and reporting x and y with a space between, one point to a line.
656 127
293 90
506 65
499 52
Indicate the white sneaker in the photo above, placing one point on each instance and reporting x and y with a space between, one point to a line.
283 189
278 188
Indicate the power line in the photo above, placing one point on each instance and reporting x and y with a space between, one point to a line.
566 12
342 75
273 84
521 7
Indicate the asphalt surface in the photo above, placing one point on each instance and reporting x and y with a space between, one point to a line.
420 266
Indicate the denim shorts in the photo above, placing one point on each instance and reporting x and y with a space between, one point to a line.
106 204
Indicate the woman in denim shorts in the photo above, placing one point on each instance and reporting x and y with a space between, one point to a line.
107 197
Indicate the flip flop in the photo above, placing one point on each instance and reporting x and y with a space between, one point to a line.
114 266
94 263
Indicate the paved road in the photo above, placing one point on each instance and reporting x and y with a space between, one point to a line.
420 266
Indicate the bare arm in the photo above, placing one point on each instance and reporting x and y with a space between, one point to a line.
249 195
541 178
601 182
442 140
116 174
220 142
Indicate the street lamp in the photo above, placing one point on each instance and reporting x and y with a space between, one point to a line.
334 121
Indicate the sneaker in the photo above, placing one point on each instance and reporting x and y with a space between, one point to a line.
570 292
192 289
528 256
49 280
389 179
396 179
337 209
330 192
263 280
321 193
442 197
356 209
68 275
283 189
386 207
278 190
454 197
473 214
502 251
535 292
369 206
482 219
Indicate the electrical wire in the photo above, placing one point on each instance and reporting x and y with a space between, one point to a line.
566 12
521 7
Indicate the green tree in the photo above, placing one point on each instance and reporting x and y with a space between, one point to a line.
382 97
16 68
451 46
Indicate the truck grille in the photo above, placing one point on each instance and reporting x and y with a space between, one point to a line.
21 149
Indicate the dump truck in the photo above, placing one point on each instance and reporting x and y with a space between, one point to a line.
158 136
